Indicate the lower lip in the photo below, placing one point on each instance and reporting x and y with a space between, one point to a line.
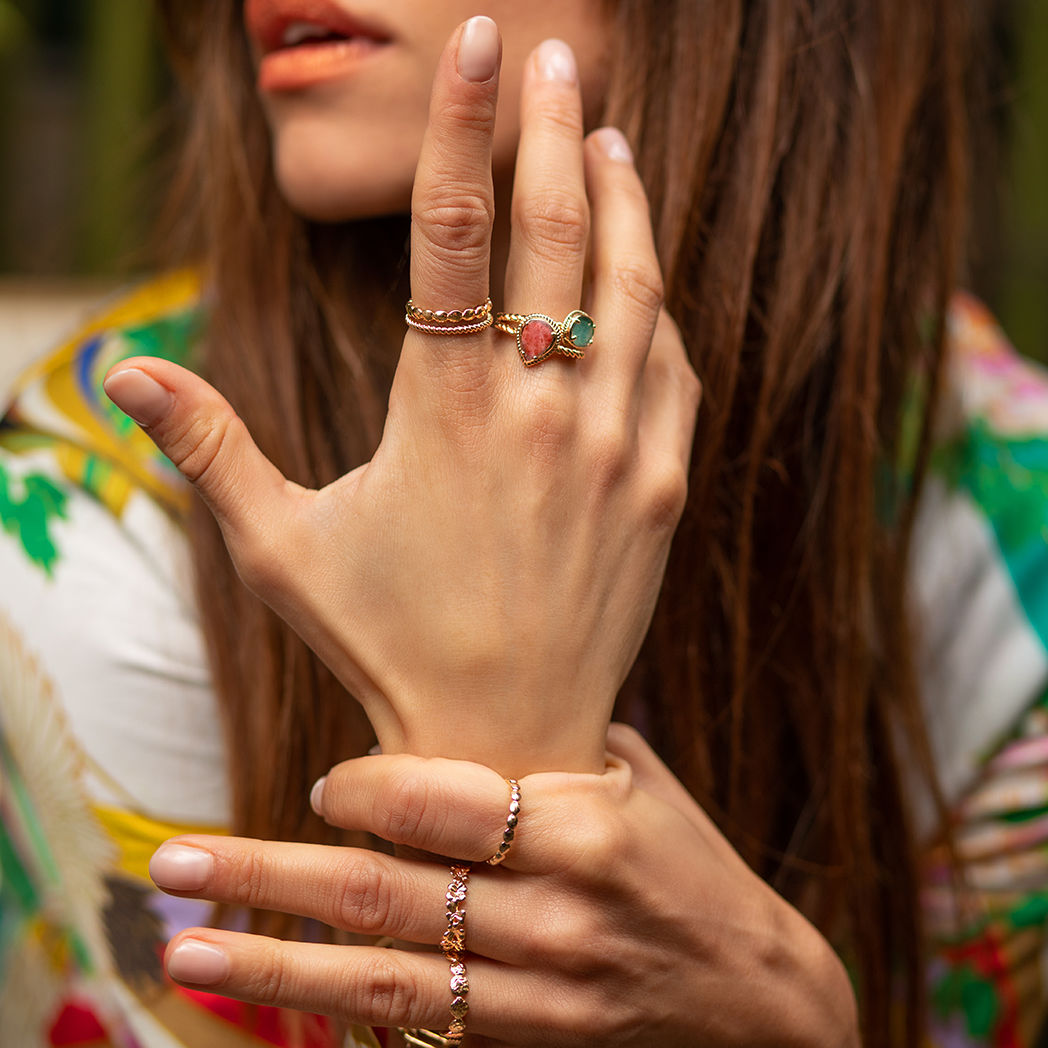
296 68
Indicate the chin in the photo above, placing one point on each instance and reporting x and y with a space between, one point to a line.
333 182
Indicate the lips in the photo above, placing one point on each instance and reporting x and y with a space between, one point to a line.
275 25
305 42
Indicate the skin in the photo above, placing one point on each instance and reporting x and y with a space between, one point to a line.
348 149
515 526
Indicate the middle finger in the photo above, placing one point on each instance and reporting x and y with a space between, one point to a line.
352 889
550 213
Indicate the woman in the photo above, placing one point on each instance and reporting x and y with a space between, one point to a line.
503 547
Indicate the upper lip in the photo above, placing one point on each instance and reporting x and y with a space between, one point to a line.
268 20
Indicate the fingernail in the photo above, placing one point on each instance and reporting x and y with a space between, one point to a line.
556 61
316 795
180 868
139 395
193 961
375 751
613 144
478 54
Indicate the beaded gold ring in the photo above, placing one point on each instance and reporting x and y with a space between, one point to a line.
453 945
511 824
449 321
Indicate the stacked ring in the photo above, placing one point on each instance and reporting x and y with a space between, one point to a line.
453 945
540 336
511 824
449 321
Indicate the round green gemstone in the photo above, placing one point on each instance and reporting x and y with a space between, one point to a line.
581 333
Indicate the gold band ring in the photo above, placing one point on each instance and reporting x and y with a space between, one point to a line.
539 336
511 824
453 945
449 321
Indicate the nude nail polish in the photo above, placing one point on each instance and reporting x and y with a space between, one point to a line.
180 868
478 53
197 962
556 61
613 144
139 395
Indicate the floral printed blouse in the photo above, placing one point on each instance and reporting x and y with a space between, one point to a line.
110 740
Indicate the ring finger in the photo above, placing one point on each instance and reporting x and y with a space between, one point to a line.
359 984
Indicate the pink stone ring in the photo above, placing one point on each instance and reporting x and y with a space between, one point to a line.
540 336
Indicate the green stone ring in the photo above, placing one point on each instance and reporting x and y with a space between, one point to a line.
539 336
578 330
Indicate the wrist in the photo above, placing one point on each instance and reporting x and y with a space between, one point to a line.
512 738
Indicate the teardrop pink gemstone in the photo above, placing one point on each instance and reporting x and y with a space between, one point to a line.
536 337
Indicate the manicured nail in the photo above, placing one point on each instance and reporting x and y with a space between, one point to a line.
556 61
180 868
139 395
478 55
613 144
193 961
316 795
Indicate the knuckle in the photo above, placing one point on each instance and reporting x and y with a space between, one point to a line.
600 843
580 945
612 455
410 809
260 557
557 220
251 881
606 1017
365 904
197 447
691 386
667 494
394 995
454 222
640 283
550 426
559 113
270 979
465 116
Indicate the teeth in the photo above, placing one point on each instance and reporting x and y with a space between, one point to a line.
297 32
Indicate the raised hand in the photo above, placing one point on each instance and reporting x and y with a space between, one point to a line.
484 583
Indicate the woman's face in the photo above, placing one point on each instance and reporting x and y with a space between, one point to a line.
348 115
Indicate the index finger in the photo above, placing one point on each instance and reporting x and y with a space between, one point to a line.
452 205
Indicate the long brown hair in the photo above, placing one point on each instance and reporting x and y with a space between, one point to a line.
807 162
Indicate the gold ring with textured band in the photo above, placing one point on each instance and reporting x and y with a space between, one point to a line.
448 329
511 824
539 336
449 321
448 316
453 945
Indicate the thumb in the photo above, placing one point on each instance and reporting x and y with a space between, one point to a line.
195 427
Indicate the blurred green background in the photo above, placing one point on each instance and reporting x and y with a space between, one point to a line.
83 130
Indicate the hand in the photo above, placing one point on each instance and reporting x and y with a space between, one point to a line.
620 916
492 571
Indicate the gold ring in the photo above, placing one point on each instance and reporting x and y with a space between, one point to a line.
539 336
449 321
453 945
511 823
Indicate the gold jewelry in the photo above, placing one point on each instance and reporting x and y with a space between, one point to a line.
539 336
511 823
453 945
449 321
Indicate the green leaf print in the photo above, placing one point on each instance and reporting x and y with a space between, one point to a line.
28 515
965 989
